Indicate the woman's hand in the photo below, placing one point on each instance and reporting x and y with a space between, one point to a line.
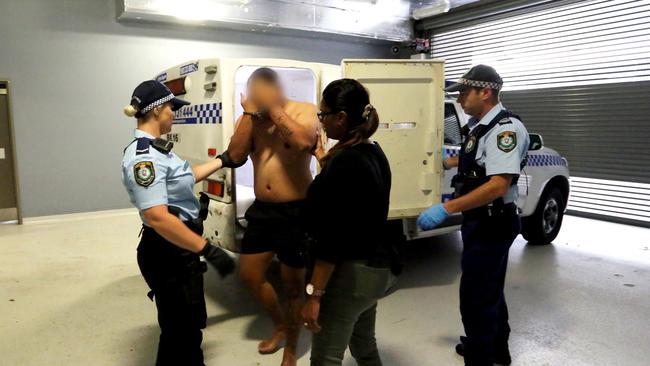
309 313
247 104
318 151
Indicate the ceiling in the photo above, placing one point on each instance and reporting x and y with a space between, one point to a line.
380 20
452 3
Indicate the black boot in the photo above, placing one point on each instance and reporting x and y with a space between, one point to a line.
501 354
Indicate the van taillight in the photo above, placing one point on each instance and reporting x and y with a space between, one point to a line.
215 187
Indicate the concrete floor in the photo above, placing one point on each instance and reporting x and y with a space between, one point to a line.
71 294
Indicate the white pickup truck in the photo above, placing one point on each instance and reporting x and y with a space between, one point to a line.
416 124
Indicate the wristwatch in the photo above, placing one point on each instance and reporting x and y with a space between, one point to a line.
311 291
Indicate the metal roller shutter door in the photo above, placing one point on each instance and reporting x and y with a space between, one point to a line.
578 72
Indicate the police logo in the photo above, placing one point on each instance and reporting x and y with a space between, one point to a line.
144 173
471 143
507 141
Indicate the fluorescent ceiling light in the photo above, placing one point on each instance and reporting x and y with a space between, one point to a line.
438 7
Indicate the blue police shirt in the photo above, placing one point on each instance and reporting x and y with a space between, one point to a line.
153 178
503 148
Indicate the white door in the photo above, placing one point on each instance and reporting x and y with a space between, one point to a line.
328 73
409 97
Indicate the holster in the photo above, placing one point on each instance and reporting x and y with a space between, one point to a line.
188 278
195 225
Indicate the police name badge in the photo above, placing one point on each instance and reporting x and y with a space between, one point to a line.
507 141
144 173
471 143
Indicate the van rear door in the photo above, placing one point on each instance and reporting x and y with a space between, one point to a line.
409 97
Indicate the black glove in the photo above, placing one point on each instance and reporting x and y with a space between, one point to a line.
227 162
219 259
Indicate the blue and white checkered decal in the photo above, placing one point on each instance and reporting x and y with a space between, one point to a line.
199 114
545 160
533 159
451 152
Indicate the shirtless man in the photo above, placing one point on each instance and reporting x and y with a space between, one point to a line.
279 135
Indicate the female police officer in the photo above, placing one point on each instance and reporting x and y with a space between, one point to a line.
160 185
490 161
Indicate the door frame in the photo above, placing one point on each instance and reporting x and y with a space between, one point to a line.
6 83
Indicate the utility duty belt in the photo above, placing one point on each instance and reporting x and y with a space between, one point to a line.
196 224
494 209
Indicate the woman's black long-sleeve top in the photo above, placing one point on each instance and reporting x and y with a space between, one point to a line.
347 206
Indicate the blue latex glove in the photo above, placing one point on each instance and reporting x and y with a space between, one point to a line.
432 217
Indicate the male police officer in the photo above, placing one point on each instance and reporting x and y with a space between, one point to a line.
489 164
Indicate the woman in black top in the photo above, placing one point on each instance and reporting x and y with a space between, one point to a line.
346 213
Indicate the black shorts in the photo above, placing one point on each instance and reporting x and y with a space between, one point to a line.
276 227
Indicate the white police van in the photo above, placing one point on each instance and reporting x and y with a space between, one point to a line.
543 185
416 123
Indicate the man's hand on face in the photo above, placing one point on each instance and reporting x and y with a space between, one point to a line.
263 95
248 104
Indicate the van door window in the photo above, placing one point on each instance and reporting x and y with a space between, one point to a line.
452 126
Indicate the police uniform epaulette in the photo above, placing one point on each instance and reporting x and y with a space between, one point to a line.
505 121
144 143
143 146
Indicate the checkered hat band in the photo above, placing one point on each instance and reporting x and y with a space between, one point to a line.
157 103
480 84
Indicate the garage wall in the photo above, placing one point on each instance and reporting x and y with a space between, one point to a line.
73 68
578 72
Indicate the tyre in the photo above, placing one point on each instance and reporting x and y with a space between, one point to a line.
544 224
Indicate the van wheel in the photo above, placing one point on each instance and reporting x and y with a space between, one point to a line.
544 224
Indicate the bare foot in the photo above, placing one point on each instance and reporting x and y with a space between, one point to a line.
289 358
273 344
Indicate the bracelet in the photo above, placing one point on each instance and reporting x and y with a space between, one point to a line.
255 115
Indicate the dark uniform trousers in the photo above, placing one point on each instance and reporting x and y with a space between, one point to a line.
175 277
486 242
488 233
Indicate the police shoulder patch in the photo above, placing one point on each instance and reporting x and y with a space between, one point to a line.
144 173
507 141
